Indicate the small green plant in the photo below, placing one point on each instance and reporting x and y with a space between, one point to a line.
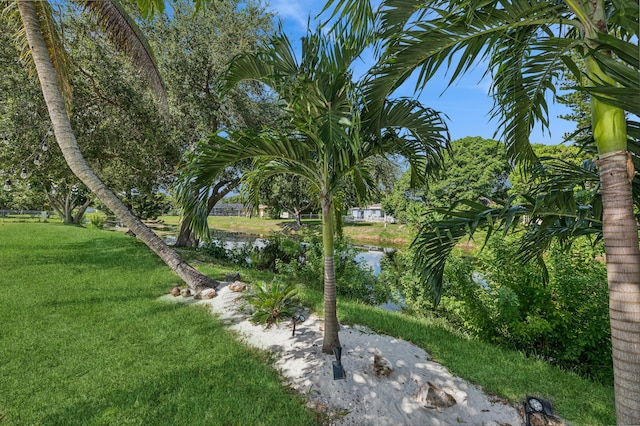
96 220
271 302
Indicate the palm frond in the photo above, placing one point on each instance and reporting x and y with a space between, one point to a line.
417 133
192 200
623 67
127 36
467 33
525 72
557 212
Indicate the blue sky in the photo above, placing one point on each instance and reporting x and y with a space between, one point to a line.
466 103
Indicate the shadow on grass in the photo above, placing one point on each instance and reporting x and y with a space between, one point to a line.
213 394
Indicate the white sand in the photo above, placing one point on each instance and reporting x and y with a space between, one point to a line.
363 398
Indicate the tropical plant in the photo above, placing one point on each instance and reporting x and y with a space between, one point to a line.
271 302
97 220
330 133
38 28
526 45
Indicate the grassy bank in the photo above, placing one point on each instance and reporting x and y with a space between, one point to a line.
84 341
363 233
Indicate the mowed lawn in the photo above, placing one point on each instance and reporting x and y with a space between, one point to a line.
83 341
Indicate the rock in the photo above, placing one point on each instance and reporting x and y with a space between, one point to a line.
381 366
434 397
185 292
175 291
207 293
237 286
232 277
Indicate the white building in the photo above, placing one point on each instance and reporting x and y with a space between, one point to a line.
372 213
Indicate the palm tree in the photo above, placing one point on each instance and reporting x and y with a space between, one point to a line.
526 43
39 30
330 134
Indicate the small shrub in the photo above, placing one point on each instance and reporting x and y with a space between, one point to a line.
96 220
278 250
272 302
215 249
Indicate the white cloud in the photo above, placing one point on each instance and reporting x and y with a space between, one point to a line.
295 11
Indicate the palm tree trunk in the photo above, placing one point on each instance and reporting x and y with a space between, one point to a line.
186 236
623 273
331 339
69 147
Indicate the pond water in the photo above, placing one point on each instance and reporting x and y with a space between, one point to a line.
368 255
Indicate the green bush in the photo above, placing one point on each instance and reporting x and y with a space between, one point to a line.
277 250
96 220
272 302
305 261
500 300
216 250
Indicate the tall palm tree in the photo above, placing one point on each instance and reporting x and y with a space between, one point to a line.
526 43
330 133
39 30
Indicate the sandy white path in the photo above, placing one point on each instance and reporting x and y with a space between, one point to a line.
363 398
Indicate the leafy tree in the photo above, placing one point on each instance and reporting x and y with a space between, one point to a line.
526 45
385 172
193 50
288 194
477 170
330 132
521 178
404 203
49 59
119 131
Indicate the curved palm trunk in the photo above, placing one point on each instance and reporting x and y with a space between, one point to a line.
331 339
186 237
69 147
623 273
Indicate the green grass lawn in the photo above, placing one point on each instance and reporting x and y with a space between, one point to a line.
85 342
